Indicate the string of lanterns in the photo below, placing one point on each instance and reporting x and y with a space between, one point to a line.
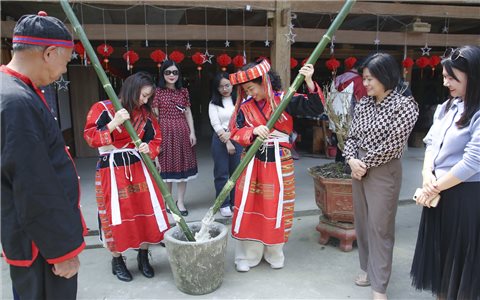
158 56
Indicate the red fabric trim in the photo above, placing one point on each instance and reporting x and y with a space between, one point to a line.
318 91
251 73
23 263
69 255
25 79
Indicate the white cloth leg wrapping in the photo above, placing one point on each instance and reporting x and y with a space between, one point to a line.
278 165
157 210
246 188
114 201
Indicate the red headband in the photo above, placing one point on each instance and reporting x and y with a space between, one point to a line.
251 73
19 39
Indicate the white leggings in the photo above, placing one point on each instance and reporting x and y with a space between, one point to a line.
253 251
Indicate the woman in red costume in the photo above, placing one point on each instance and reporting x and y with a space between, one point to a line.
265 192
130 207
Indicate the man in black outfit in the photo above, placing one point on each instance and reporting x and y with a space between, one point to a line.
42 227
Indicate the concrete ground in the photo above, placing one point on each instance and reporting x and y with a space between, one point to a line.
312 270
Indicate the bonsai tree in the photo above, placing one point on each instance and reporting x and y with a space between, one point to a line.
338 109
332 181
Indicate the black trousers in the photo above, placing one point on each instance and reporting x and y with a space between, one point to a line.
39 282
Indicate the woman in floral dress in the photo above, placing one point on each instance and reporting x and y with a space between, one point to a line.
177 159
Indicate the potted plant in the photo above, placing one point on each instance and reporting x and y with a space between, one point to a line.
332 181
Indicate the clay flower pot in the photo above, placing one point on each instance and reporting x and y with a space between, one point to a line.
333 195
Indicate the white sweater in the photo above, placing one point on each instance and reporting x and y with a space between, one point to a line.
220 116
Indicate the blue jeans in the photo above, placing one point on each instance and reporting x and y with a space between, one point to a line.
223 166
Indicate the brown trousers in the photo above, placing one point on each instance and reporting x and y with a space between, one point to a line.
375 200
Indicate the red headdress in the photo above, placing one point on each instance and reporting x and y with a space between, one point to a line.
258 70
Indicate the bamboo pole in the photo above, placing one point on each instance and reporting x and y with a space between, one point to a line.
128 125
281 107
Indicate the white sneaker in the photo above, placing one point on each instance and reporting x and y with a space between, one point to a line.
225 211
242 266
276 266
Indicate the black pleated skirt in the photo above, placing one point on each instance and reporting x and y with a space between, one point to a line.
447 254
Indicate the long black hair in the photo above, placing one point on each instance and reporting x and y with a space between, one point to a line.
467 62
131 89
161 78
216 96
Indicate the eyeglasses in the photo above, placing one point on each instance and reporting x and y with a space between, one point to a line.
224 87
168 72
453 54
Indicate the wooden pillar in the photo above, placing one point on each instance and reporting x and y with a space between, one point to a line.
280 52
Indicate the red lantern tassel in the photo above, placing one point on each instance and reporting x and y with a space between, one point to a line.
199 68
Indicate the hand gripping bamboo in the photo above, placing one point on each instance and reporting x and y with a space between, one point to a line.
128 125
327 37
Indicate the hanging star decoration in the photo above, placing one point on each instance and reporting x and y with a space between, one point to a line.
188 46
332 45
445 29
376 41
426 50
267 43
62 84
207 57
227 43
290 35
74 55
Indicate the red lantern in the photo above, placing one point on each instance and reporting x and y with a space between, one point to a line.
224 60
349 62
293 63
197 58
177 56
422 62
332 64
239 61
105 50
407 62
158 56
131 57
78 47
434 61
80 50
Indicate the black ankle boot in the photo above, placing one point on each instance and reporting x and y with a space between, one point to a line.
120 269
143 263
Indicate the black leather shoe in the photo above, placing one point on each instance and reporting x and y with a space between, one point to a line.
120 269
143 264
182 212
